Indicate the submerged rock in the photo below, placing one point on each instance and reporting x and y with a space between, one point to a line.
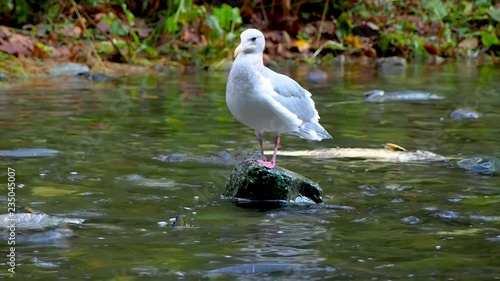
391 66
386 62
411 220
383 96
244 269
252 181
316 76
96 77
460 114
36 227
218 158
70 69
28 152
481 165
35 221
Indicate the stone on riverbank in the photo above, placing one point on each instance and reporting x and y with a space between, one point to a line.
69 69
252 181
3 77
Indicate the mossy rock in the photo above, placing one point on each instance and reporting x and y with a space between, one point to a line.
253 181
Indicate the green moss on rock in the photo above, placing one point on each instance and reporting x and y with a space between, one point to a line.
252 181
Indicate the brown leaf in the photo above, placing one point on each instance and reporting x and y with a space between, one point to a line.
432 50
62 52
469 43
6 47
18 45
4 32
103 26
71 31
369 51
38 52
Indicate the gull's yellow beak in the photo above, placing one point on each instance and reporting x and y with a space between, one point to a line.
237 50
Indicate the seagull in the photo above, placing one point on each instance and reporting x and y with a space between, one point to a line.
267 101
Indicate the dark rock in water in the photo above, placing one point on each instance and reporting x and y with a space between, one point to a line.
218 158
411 220
460 114
391 66
383 96
447 215
3 77
316 76
70 69
391 62
96 77
252 181
245 269
28 152
35 221
485 218
48 237
481 165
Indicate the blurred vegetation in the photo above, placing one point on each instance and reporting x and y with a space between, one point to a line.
202 33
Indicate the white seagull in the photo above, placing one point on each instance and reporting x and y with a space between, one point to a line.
267 101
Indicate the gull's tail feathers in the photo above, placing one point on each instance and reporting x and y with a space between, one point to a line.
312 131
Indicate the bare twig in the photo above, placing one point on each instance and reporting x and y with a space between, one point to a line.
320 29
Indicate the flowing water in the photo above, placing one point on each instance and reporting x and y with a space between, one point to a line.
380 221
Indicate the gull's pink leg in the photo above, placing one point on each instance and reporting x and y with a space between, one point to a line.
261 143
261 140
273 161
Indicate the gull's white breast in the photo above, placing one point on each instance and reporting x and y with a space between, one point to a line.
256 108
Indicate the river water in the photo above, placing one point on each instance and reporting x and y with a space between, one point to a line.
380 221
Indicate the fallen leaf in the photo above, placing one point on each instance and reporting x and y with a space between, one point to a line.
4 32
71 31
48 191
353 41
302 45
432 50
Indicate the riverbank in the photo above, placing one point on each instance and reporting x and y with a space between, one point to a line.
119 39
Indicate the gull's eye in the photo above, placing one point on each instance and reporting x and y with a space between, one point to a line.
253 39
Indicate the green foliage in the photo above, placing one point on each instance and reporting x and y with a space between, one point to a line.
209 30
489 39
438 10
494 14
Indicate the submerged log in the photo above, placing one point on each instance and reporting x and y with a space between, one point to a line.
389 154
255 182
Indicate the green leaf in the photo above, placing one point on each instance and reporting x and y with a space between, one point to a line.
171 25
437 8
237 16
344 24
224 15
489 39
494 14
152 53
129 15
135 37
332 45
118 29
213 22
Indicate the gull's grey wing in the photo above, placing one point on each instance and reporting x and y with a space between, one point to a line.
292 96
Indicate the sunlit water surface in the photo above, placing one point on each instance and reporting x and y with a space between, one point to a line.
110 134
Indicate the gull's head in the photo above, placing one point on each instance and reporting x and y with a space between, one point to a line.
252 42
